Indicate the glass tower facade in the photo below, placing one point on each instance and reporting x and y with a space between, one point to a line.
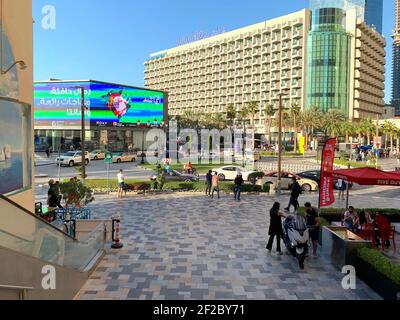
374 14
328 61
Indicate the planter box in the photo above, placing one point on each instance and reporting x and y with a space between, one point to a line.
340 246
377 281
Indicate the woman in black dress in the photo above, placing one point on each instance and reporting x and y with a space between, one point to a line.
275 228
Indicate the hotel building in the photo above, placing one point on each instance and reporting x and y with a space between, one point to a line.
254 63
326 57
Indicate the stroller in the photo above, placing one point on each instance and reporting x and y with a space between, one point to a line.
296 237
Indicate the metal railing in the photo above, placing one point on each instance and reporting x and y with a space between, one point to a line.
22 290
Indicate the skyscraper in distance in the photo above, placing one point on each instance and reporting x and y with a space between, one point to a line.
373 14
396 62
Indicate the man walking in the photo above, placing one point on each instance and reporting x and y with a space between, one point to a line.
314 224
238 186
294 196
208 183
215 185
121 182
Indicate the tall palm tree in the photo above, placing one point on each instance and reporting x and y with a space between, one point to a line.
231 114
389 129
360 131
269 112
332 122
369 129
310 120
243 114
294 115
347 129
253 109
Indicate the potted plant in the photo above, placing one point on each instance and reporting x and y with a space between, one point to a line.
76 194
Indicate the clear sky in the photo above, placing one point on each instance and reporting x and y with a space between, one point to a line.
110 40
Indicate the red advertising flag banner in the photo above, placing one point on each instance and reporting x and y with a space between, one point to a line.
326 193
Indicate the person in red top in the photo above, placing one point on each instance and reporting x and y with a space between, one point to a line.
382 223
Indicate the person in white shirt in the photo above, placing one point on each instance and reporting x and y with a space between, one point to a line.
121 180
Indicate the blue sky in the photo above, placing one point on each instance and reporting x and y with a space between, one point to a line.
110 40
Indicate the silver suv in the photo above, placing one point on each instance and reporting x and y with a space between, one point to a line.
72 158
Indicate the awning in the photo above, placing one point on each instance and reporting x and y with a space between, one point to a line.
368 177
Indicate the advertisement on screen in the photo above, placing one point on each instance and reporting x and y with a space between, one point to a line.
59 105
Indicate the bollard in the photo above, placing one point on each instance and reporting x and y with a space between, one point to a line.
116 230
67 222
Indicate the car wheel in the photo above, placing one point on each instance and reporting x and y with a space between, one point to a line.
221 177
133 160
119 161
188 180
87 161
95 158
306 187
71 163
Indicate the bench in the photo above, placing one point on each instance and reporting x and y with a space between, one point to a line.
137 187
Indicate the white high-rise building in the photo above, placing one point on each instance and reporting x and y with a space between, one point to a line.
254 63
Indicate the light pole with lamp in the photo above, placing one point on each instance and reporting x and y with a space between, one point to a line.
21 63
83 131
278 187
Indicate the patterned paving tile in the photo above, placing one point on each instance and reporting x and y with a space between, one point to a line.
179 246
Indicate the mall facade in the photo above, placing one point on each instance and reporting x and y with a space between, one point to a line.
331 56
117 117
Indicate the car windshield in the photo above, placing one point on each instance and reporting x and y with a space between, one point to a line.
69 154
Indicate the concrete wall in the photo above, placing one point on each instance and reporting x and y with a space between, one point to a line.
17 22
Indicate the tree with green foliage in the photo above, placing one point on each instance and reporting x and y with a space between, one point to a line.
294 116
269 112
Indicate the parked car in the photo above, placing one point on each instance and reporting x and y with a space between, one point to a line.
315 175
230 173
178 176
98 154
72 158
287 181
123 157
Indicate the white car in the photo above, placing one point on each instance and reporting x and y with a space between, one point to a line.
123 157
98 155
72 158
231 172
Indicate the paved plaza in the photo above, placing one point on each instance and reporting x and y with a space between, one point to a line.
180 246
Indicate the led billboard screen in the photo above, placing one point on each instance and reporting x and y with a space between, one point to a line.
58 105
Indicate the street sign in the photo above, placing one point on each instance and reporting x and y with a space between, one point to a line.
377 142
108 158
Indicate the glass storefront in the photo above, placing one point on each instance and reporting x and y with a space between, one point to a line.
112 140
15 146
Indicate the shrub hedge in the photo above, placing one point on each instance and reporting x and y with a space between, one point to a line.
100 185
380 263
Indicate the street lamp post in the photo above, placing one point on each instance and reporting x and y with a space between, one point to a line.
279 144
83 131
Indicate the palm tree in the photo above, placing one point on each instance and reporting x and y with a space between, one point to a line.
389 129
359 130
269 113
369 129
332 122
243 114
253 109
310 120
347 129
294 115
231 114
